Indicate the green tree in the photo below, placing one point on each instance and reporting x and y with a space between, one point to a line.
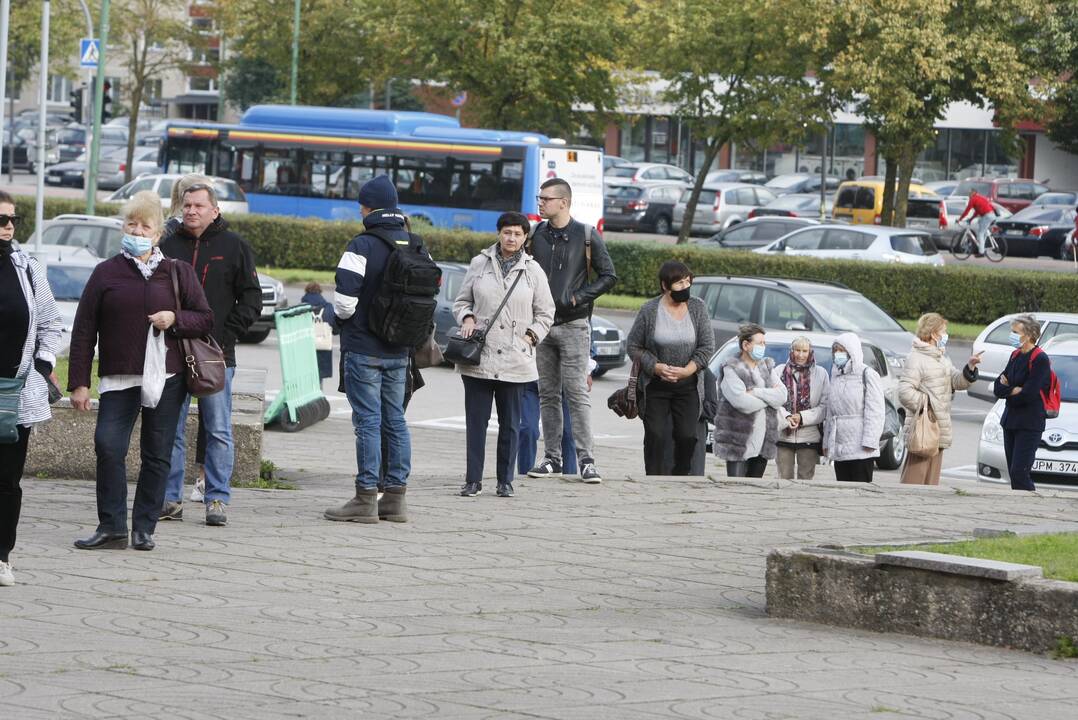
541 65
728 80
248 81
66 26
1063 107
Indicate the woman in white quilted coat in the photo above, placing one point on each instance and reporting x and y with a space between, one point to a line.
930 374
855 412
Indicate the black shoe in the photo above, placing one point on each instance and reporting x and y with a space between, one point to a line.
546 468
589 473
471 489
142 541
505 490
103 541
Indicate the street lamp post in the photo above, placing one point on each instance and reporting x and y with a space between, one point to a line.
99 91
5 13
295 51
39 209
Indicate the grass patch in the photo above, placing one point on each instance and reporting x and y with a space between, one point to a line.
299 276
267 479
62 368
620 302
1065 649
1056 553
956 330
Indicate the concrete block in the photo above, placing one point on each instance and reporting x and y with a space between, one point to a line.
959 565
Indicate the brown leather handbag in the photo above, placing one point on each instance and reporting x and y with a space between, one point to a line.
623 401
203 358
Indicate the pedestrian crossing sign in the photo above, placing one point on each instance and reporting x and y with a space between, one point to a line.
89 51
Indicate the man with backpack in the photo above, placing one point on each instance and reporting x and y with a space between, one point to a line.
568 251
384 303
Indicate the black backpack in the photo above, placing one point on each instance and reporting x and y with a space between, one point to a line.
403 308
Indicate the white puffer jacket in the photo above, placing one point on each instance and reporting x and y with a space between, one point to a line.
930 372
855 409
507 354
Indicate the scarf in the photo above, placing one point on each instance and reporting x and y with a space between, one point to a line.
798 387
508 263
146 268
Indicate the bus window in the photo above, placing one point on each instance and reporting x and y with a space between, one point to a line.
188 156
362 168
327 174
279 172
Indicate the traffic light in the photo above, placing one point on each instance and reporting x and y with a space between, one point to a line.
105 102
76 104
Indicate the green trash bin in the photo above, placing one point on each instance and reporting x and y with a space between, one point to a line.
300 403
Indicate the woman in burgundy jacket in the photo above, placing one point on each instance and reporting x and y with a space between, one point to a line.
127 306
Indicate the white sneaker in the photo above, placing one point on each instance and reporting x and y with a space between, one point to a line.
7 579
198 492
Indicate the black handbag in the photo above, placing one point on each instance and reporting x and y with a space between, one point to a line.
469 350
623 401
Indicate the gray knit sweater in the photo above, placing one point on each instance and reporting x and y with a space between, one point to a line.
642 345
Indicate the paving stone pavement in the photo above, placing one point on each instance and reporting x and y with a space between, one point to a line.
639 598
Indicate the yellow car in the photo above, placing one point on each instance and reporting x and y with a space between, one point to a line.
861 201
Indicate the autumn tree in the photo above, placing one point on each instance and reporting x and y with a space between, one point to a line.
66 26
736 72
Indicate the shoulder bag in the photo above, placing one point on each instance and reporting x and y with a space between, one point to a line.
623 401
204 361
924 440
468 350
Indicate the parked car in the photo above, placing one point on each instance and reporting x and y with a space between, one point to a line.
753 233
646 172
876 243
155 135
892 441
230 197
101 236
113 165
721 205
610 161
70 173
273 299
15 147
752 177
70 142
795 205
801 183
954 205
641 207
799 305
928 214
1012 193
1056 461
1038 231
993 341
1055 197
68 269
943 188
861 201
608 344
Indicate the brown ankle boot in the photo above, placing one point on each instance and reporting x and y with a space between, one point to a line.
392 506
363 508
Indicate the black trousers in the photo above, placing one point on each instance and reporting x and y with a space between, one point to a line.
670 407
855 470
116 417
478 394
12 461
753 467
1020 448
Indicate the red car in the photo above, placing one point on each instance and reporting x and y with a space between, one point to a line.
1012 193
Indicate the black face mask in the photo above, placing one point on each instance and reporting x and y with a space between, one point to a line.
680 296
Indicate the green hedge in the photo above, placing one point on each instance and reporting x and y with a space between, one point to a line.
969 294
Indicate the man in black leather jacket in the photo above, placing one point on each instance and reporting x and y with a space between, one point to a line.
570 253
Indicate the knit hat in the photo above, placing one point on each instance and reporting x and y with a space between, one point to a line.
378 193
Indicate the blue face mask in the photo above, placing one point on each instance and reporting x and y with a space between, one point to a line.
1015 339
841 359
942 342
758 352
137 246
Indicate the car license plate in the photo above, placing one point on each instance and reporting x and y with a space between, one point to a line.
612 350
1060 467
1017 233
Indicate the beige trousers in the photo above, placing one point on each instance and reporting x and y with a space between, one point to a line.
805 458
920 470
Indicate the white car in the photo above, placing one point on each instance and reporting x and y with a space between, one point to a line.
1056 461
859 242
67 268
994 343
230 196
721 205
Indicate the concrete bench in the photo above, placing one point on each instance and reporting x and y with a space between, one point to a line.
64 446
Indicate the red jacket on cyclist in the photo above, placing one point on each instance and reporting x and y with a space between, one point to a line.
978 205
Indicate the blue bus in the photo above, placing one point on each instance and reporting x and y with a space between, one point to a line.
311 161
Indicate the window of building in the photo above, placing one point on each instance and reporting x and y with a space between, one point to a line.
59 89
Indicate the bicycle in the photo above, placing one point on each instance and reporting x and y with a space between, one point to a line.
965 244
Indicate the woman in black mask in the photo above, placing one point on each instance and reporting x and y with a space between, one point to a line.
673 341
29 338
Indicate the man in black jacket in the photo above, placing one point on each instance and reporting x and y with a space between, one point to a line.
225 265
568 251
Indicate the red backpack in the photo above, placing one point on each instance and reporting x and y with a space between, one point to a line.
1051 396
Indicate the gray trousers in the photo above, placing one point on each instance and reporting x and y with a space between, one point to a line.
805 457
562 361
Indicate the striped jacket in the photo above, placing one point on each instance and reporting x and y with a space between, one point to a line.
42 341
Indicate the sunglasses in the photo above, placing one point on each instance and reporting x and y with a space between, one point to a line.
13 219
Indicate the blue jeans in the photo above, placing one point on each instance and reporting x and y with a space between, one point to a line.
215 417
116 415
984 226
375 390
529 431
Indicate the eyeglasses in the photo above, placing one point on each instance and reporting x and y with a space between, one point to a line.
13 219
544 198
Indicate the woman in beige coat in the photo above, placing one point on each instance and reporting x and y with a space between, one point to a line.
930 374
508 359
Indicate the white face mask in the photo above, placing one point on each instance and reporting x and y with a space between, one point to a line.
942 342
841 359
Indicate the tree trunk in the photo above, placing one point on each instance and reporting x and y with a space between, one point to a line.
887 215
132 130
907 158
690 207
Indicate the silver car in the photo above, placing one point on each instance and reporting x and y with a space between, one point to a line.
1056 461
721 205
877 243
993 342
113 165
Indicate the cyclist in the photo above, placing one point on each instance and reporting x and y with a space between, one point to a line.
980 207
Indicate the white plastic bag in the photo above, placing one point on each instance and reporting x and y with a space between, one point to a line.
323 333
153 369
